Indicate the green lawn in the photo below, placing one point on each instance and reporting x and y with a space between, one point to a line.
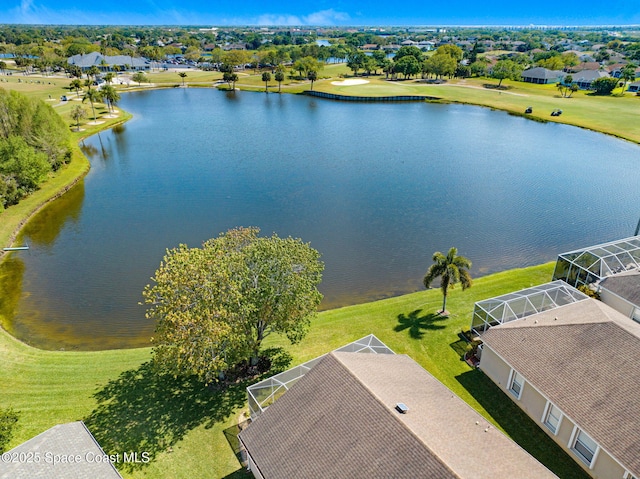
188 428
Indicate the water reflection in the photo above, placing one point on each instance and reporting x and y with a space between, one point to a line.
44 228
11 277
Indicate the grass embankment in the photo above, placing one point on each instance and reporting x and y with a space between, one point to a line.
186 426
49 90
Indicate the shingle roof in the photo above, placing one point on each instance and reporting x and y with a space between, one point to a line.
542 73
340 420
72 440
96 58
582 358
627 286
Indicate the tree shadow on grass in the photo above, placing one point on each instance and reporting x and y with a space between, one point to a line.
143 411
520 427
417 325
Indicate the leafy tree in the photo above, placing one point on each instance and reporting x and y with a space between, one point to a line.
451 50
266 78
94 96
3 66
182 75
230 78
407 65
26 165
452 269
506 69
38 123
8 420
279 77
604 85
139 77
441 65
552 63
408 51
77 114
355 61
214 305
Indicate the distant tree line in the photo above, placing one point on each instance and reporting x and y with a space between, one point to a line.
34 141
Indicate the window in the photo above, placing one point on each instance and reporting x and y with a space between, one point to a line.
516 384
628 475
552 418
584 446
636 314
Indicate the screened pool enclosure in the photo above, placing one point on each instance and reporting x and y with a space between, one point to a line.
589 265
523 303
261 395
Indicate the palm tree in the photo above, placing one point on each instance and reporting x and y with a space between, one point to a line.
313 76
183 76
451 269
110 94
76 84
279 78
93 96
266 78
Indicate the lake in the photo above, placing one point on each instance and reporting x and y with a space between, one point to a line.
375 187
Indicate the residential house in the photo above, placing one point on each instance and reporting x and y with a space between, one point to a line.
585 78
635 87
378 416
66 451
622 293
542 75
569 362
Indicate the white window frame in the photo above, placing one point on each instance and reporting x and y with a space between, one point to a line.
545 417
574 440
628 475
513 375
635 315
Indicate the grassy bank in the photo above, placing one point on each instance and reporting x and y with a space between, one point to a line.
187 427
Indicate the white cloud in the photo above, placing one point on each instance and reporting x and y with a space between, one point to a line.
326 17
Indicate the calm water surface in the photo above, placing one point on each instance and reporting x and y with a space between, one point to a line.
375 187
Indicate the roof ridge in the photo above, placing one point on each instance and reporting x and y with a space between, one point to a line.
395 417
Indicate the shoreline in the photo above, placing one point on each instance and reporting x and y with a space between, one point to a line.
84 164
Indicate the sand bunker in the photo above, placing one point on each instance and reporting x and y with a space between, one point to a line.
349 82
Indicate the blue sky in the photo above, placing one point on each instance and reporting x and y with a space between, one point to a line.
320 12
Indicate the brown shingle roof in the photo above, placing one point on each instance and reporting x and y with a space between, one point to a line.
588 369
627 286
339 420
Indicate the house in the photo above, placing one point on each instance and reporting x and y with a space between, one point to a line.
635 86
378 415
542 75
108 62
589 265
570 365
584 78
66 451
622 293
